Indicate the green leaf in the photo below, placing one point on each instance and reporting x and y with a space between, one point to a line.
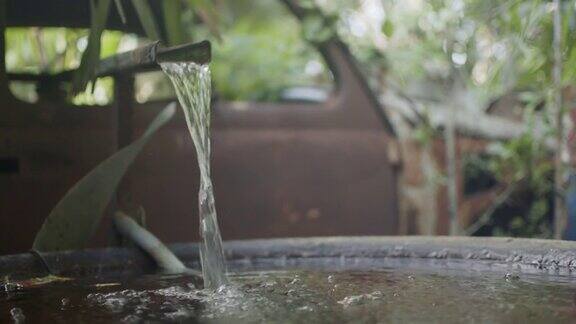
307 4
388 28
172 22
147 19
208 14
316 29
120 10
110 42
91 56
72 222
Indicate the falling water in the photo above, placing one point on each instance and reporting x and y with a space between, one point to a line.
192 84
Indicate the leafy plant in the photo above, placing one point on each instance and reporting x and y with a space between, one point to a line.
75 218
147 19
99 15
172 10
524 166
87 69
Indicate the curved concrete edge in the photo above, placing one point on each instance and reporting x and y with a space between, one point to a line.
542 254
537 254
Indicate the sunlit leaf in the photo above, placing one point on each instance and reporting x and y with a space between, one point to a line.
110 42
72 222
388 28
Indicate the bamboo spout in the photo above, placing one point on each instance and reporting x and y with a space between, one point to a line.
147 57
141 59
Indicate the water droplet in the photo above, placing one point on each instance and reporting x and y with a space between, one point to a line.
511 276
376 295
17 315
64 302
360 299
12 286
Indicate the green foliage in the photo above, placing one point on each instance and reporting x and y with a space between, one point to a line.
493 46
263 53
147 19
317 28
425 132
172 10
526 164
523 159
46 50
120 10
489 48
388 28
208 14
75 218
258 75
54 50
87 69
246 70
99 15
498 46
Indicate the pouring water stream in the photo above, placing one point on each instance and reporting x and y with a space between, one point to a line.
193 88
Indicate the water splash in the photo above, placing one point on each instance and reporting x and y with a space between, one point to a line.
192 84
17 315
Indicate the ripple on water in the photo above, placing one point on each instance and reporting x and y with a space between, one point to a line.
304 296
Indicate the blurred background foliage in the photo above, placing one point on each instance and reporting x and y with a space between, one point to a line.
423 49
420 46
493 47
52 50
283 60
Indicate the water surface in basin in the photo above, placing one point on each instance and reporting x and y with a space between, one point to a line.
302 296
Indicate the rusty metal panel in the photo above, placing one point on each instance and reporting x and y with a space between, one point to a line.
271 183
53 146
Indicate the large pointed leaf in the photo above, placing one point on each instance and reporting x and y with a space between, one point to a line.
72 222
91 55
147 19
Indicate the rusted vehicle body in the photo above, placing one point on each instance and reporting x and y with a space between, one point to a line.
283 169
